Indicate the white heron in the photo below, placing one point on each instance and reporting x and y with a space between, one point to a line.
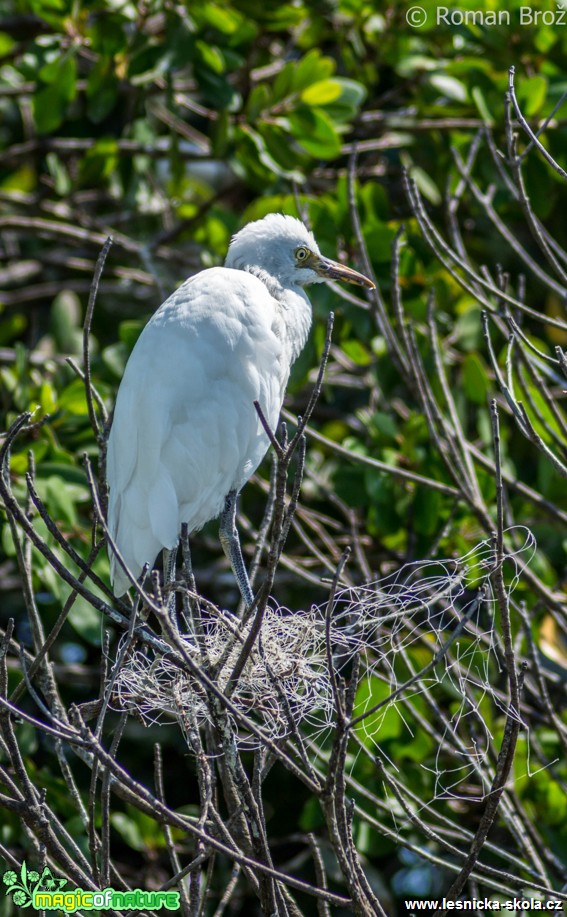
185 436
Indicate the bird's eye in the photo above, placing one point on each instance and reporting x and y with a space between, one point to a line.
301 253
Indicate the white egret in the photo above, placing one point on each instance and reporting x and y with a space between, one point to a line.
185 436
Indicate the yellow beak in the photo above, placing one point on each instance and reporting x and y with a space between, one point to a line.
332 270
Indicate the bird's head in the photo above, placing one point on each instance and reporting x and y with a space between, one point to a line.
282 248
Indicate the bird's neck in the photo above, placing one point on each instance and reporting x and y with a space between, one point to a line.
295 313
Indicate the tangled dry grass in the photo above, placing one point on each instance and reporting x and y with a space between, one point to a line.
446 607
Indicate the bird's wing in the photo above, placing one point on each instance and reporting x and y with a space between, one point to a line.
185 431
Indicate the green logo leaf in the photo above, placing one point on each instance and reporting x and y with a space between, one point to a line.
21 887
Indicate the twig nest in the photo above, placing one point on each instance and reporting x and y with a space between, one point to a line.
284 682
427 628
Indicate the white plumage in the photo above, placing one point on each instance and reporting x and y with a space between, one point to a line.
185 435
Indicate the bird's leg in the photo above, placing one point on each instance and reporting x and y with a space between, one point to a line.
188 574
191 610
231 546
169 563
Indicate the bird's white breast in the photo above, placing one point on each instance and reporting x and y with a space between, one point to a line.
185 430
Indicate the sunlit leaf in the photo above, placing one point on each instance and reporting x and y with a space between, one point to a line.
321 93
532 92
449 86
481 104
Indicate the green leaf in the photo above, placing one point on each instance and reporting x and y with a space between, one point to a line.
283 84
114 357
475 378
6 43
59 501
47 398
139 830
100 161
481 104
72 475
348 103
223 19
279 147
216 88
149 62
312 816
65 322
315 133
27 742
11 327
106 36
410 64
312 68
417 750
322 92
258 101
467 329
126 8
385 722
49 105
423 180
449 87
379 238
102 91
83 617
210 56
7 542
349 484
60 174
427 506
531 94
375 202
545 38
357 352
72 399
264 156
128 830
383 425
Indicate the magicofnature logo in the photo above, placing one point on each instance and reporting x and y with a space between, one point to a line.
45 892
22 887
